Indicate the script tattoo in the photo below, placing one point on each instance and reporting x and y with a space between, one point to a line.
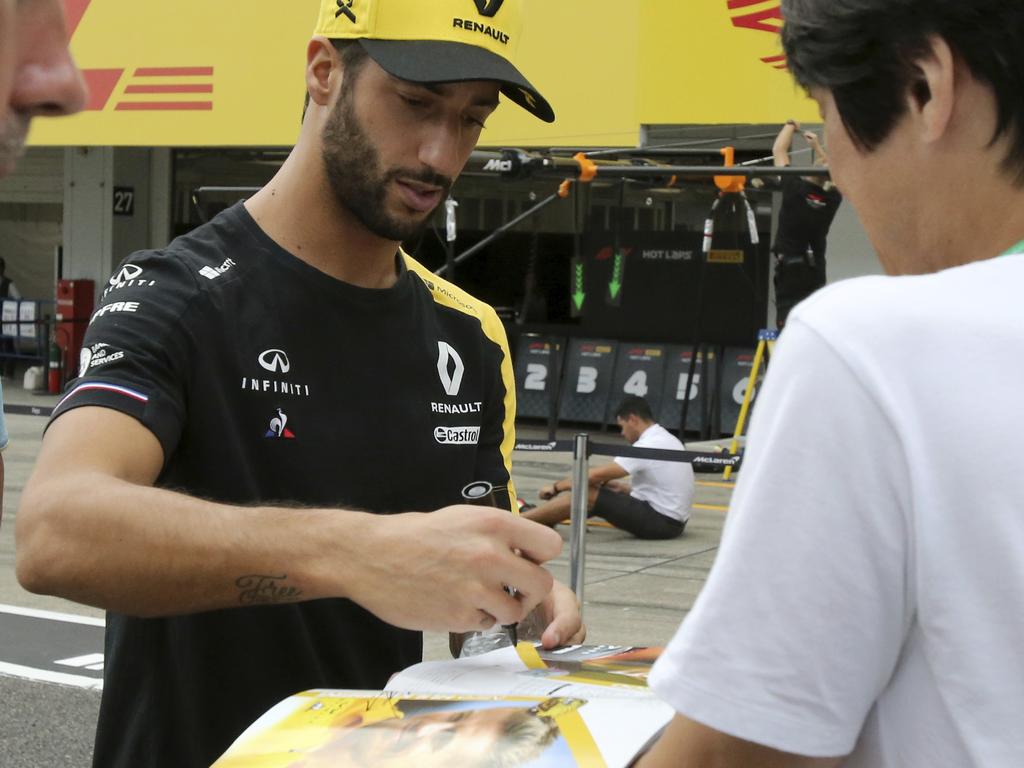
263 590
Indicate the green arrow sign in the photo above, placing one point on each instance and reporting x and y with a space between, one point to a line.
615 285
578 294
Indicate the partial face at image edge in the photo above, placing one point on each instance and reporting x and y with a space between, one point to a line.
38 77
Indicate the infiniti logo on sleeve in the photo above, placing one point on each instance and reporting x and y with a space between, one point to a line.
128 272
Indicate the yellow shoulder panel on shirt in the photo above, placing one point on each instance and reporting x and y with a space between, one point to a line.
449 295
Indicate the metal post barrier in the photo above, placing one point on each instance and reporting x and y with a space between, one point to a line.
580 494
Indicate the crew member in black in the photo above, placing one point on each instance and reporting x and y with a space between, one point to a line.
245 389
809 205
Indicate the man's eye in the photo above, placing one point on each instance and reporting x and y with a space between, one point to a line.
413 102
470 120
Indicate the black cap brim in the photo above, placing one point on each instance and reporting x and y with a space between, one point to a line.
436 61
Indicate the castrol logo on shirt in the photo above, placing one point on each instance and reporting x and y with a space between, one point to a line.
457 435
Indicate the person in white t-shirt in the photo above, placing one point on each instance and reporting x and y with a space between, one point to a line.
655 504
866 607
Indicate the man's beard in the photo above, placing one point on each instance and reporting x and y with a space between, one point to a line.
13 132
353 170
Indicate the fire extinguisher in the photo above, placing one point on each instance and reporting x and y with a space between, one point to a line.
54 378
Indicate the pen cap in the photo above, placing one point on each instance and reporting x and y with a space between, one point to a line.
479 493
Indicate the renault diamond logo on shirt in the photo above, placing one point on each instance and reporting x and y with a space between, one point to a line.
448 357
488 7
275 361
128 272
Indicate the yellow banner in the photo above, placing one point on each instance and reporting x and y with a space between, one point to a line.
217 73
715 62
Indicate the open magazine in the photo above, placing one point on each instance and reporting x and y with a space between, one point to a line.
586 706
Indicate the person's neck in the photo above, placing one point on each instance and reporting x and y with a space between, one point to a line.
983 224
298 210
642 428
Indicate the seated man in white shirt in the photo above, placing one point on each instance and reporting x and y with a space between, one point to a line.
654 505
865 606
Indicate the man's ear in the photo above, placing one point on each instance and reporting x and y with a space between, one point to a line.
322 62
933 95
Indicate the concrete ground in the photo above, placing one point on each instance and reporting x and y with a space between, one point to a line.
636 592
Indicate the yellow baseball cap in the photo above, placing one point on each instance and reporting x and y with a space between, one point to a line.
439 41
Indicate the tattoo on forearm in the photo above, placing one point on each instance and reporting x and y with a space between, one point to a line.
263 590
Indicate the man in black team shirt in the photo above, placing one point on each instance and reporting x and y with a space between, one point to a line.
809 205
267 406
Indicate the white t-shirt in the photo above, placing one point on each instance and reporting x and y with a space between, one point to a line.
666 485
868 596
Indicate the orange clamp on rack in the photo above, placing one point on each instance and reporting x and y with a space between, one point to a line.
588 168
565 188
730 183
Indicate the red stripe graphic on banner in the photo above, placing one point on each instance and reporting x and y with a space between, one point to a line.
173 71
147 106
101 84
74 10
198 88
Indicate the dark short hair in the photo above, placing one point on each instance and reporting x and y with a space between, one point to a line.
866 52
634 406
353 57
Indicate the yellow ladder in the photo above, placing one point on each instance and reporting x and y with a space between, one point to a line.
765 341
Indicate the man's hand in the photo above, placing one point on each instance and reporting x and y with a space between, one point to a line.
561 612
685 742
446 570
618 486
547 492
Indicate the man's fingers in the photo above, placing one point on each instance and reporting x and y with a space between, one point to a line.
531 582
536 542
503 607
565 622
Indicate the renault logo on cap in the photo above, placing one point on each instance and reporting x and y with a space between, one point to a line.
488 7
345 7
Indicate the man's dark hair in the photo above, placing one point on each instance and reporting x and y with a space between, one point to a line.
634 406
866 52
353 57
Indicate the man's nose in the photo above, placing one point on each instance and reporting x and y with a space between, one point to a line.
441 150
49 85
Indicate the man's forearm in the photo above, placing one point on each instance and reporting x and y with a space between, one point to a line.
147 551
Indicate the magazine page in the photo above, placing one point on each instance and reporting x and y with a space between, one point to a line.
338 729
604 671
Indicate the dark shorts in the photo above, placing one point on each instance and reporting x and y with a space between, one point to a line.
635 516
796 278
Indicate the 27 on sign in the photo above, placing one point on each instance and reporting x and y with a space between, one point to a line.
124 201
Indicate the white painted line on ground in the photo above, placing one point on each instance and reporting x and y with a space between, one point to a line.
35 613
89 661
44 676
